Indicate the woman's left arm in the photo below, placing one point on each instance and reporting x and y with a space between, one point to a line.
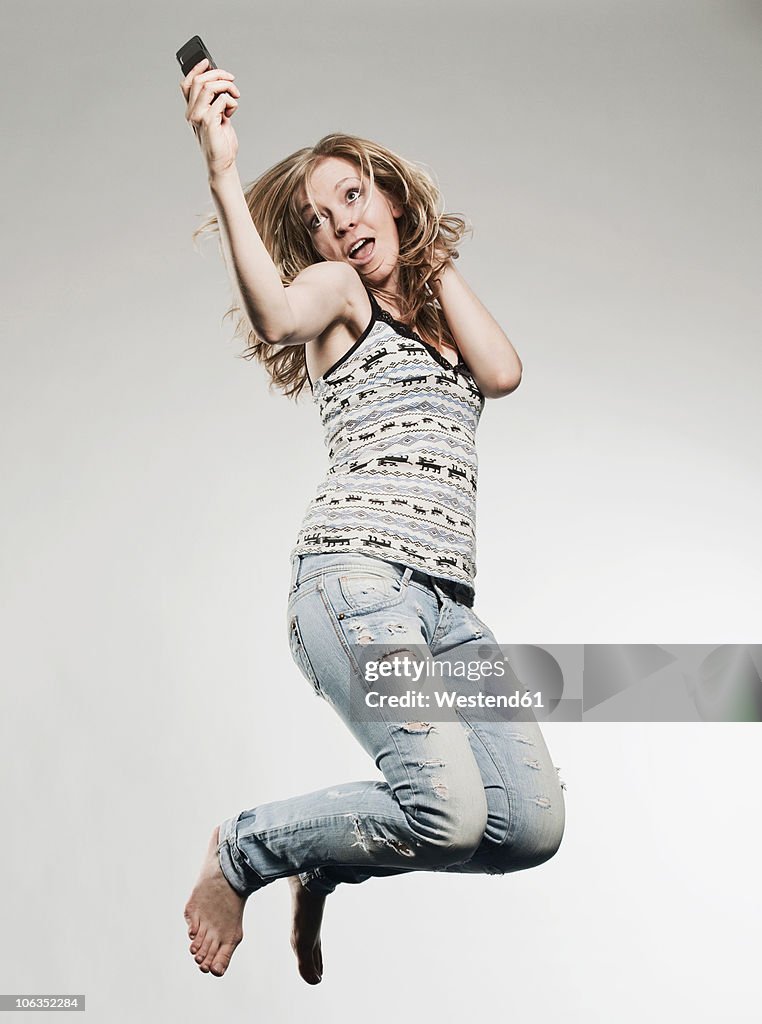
490 356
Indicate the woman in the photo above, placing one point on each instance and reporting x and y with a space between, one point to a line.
346 281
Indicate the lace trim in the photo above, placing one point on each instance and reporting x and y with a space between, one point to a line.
387 317
408 332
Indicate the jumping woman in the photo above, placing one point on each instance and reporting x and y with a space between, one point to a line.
343 265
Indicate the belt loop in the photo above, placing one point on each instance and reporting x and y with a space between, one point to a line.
295 564
406 576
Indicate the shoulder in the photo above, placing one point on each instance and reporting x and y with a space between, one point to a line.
341 282
330 274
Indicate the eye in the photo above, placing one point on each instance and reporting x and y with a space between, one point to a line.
315 223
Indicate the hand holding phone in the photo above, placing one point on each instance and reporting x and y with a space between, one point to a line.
192 53
211 99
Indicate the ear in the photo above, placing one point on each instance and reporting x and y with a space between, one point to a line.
396 210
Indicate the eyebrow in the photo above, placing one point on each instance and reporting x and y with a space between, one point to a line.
350 177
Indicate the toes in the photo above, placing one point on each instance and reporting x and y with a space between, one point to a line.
198 941
192 920
222 960
211 954
309 974
203 947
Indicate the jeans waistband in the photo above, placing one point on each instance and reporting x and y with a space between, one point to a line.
306 566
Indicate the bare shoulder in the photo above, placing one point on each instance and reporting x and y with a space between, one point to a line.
326 272
341 287
335 288
321 297
330 276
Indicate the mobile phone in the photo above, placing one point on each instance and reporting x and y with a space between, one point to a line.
192 53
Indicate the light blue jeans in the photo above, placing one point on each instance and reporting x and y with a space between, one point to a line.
465 795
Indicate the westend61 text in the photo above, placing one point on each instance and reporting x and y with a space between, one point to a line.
449 699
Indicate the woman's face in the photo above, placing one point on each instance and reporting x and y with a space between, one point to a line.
345 215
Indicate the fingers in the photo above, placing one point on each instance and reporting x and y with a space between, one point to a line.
197 78
224 104
205 112
204 90
186 82
208 97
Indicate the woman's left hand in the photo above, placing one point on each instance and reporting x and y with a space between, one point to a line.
435 281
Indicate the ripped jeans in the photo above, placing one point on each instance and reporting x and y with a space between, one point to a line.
466 795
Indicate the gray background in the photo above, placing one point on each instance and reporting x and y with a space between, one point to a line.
607 155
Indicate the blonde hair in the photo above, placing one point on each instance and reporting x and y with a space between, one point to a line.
428 238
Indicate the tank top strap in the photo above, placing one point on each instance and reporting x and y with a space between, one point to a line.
379 313
373 301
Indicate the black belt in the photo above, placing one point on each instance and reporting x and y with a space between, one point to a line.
457 592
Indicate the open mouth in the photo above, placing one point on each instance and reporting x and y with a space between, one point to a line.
363 250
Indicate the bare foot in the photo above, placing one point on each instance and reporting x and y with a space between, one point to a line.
305 930
214 913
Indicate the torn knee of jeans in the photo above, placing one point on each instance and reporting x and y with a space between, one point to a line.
395 844
361 839
417 727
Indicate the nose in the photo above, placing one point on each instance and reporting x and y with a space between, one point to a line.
341 229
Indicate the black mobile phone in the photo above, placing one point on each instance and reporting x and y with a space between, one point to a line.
192 53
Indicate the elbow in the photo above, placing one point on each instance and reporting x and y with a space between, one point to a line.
270 334
277 329
502 386
273 337
274 334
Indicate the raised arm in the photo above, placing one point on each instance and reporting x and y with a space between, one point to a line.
317 297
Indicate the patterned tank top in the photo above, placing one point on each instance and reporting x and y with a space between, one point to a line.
399 422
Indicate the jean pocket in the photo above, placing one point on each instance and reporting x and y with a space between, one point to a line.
363 591
300 655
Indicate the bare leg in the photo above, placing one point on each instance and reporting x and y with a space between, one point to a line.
214 913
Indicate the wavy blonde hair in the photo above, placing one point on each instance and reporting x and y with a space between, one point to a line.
428 238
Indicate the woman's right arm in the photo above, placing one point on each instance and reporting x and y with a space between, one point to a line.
319 295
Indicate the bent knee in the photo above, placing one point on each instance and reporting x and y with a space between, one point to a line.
456 837
518 856
546 851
